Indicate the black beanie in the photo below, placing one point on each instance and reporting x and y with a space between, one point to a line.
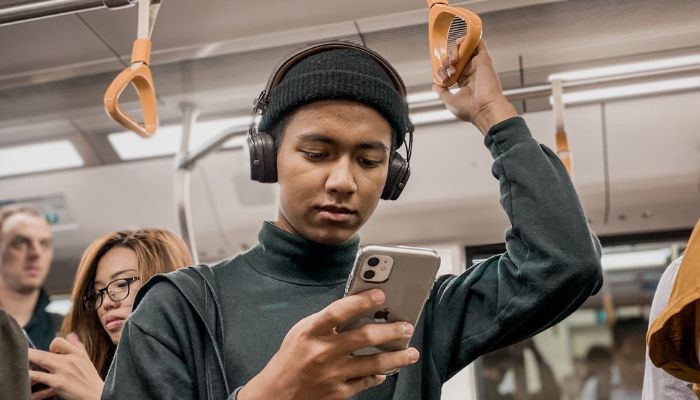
344 73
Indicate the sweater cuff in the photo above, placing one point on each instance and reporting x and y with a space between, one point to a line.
234 395
506 134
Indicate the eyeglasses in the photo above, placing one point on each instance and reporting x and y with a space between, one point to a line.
117 290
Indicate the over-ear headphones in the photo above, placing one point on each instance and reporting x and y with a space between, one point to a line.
261 145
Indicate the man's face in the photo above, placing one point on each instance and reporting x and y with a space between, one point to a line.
331 166
26 247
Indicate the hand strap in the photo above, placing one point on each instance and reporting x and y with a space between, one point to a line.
139 75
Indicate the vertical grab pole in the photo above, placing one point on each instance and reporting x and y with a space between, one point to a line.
182 180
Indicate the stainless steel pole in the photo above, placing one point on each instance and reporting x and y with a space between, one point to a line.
182 181
32 10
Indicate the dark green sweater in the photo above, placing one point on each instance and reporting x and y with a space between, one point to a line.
551 266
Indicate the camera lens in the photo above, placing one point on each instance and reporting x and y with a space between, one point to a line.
373 262
369 274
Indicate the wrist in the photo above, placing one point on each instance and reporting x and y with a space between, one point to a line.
246 392
492 113
255 389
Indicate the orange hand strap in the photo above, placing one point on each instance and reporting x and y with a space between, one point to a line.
562 142
139 75
445 25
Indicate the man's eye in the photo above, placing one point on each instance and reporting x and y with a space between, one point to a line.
20 243
314 155
369 163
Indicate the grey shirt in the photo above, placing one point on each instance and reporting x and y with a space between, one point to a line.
658 384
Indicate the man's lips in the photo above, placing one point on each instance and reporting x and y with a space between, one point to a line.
336 214
336 209
32 270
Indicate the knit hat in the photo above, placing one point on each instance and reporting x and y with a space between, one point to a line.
338 73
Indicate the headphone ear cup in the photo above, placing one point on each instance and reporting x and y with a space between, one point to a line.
396 178
263 157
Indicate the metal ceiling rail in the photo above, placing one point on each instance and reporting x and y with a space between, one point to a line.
545 90
33 10
185 161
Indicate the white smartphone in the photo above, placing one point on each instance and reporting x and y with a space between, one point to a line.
405 275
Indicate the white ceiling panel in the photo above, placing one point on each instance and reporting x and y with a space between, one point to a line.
654 147
47 44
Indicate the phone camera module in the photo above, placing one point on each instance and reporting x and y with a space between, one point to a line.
376 268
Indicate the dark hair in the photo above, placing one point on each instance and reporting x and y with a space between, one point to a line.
599 354
277 131
629 328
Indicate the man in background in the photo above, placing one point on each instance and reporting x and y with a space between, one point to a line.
627 372
26 252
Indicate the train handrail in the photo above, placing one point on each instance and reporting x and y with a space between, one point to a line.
139 75
34 10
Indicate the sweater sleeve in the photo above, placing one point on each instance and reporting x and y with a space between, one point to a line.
149 362
551 264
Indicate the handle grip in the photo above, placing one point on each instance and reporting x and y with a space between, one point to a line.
138 74
439 20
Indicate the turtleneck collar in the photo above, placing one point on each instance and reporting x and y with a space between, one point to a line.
295 259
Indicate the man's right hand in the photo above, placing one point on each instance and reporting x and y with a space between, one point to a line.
314 361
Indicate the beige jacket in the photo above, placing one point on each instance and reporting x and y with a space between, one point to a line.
674 337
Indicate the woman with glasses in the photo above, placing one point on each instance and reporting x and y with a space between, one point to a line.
111 271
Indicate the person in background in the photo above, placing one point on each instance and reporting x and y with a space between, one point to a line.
659 384
627 372
26 253
599 361
111 271
503 373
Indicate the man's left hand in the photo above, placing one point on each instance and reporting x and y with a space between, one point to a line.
479 99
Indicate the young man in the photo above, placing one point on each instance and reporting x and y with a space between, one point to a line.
26 252
263 323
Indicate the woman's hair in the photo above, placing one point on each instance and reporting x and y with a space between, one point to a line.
157 251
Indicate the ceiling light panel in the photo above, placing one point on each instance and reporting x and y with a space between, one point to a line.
39 157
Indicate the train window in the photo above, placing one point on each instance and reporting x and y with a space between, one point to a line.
599 351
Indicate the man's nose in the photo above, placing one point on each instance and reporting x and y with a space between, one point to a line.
35 249
340 178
